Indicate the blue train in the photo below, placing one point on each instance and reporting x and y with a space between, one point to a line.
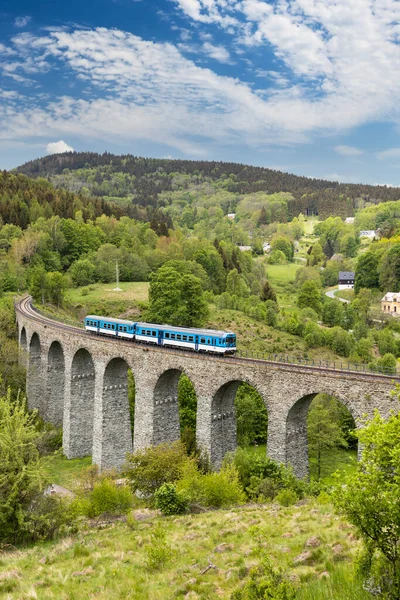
200 340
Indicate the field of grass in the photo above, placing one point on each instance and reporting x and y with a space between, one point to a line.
281 274
100 298
111 560
66 472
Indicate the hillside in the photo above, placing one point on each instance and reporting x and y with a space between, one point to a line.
146 181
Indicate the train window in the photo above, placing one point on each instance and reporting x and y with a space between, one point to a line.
191 339
178 336
125 329
172 336
154 333
184 337
167 336
202 340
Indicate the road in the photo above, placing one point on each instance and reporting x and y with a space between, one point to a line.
331 294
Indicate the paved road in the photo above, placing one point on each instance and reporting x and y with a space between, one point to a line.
331 294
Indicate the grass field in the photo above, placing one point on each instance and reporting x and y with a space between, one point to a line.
136 291
281 274
66 472
111 560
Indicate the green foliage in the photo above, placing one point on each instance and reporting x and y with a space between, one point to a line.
286 497
105 498
22 478
389 270
159 552
310 296
268 292
370 501
366 272
277 257
385 364
284 244
169 500
149 468
324 428
176 299
265 583
251 416
211 489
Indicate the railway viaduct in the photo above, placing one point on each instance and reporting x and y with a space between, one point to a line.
81 381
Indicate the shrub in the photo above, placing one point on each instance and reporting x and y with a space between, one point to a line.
169 500
158 551
212 489
108 498
286 497
265 583
149 468
48 517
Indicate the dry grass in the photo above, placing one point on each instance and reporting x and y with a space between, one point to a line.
111 561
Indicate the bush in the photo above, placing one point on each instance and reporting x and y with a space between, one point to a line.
158 552
212 489
169 500
105 498
48 517
265 583
286 497
149 468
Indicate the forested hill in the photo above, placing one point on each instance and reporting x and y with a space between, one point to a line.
23 200
143 180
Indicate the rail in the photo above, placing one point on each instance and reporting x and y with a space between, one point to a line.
24 306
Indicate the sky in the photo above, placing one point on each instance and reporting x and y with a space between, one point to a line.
310 87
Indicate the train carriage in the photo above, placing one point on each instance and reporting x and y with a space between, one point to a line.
199 340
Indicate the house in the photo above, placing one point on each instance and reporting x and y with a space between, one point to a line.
346 280
349 220
245 248
231 215
390 304
266 247
369 233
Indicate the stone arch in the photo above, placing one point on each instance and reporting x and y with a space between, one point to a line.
166 410
116 434
55 384
81 413
223 437
34 387
296 442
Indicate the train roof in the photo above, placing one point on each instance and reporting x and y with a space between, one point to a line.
186 329
110 319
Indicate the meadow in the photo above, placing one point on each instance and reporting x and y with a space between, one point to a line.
203 556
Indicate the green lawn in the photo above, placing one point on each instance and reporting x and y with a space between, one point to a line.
137 291
66 472
281 274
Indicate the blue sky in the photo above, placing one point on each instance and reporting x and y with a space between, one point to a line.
306 86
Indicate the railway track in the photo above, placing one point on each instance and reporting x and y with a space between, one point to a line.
24 307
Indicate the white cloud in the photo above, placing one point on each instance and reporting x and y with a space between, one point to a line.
338 73
391 153
58 147
217 52
22 21
348 150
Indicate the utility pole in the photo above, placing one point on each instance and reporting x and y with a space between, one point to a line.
117 272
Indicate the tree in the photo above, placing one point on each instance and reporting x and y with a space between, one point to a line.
389 272
366 272
324 432
235 284
310 296
56 286
176 299
82 272
268 292
316 255
370 500
38 283
251 416
283 243
22 477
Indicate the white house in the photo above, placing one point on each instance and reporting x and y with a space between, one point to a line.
346 280
231 215
349 220
368 233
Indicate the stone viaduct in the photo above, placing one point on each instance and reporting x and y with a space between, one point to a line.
79 380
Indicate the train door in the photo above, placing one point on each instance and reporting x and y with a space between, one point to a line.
160 337
196 343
